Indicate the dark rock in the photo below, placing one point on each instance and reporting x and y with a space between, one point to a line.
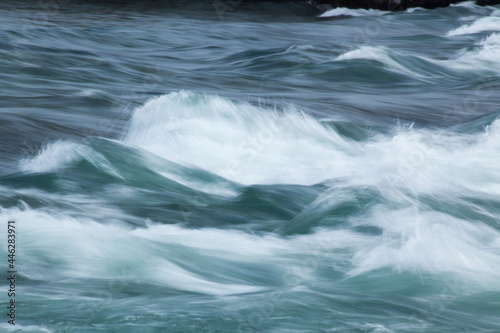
488 2
395 5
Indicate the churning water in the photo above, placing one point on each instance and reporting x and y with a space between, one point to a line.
267 167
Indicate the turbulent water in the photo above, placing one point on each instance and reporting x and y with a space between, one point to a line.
175 166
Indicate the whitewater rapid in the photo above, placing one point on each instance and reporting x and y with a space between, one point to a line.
422 180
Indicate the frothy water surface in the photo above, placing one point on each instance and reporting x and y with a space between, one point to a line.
276 167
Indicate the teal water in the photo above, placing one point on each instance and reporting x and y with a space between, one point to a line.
278 167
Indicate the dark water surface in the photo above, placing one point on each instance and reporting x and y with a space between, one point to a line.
173 167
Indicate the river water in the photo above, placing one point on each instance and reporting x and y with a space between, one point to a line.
175 166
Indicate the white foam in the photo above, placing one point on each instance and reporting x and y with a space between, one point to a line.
483 57
427 241
247 144
54 156
61 154
380 54
465 4
342 11
415 9
237 141
218 261
489 23
486 56
251 145
99 247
